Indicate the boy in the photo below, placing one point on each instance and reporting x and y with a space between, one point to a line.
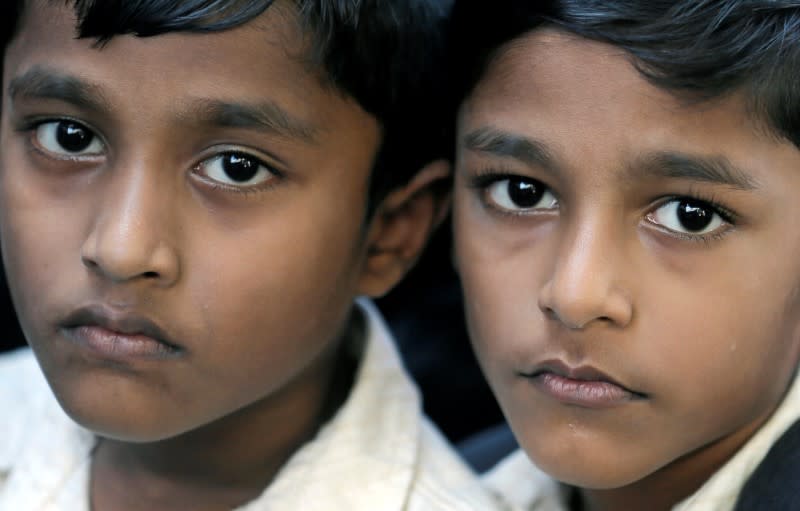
626 222
188 210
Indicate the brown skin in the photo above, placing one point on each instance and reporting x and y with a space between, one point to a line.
254 281
600 272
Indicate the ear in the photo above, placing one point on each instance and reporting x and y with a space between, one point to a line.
401 226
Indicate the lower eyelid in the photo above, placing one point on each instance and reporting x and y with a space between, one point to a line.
44 153
244 191
706 238
715 235
520 214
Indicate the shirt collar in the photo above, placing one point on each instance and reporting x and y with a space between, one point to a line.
364 458
722 490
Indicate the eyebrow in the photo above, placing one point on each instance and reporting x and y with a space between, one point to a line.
42 83
266 116
664 164
708 169
500 143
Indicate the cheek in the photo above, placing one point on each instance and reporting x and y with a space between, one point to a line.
721 363
281 280
500 295
40 223
40 253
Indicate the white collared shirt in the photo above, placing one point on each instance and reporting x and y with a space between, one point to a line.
377 453
530 489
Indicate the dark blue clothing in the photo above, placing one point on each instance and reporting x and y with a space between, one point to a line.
775 484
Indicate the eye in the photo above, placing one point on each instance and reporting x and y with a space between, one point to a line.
236 169
687 216
518 194
67 139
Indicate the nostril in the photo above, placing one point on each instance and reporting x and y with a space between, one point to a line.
150 274
89 263
549 313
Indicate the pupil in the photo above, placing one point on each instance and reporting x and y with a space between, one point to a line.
239 168
524 193
694 217
73 137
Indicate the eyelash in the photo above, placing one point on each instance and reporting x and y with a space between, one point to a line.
484 178
245 191
724 212
727 215
488 176
29 126
277 174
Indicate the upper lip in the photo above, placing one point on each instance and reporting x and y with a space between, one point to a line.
581 373
122 322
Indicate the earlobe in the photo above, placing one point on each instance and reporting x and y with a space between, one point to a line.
401 226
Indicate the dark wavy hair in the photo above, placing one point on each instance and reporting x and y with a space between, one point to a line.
696 49
388 55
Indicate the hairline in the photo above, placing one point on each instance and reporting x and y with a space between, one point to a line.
686 98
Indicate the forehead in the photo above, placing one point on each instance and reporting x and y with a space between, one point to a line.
586 101
534 69
548 70
264 57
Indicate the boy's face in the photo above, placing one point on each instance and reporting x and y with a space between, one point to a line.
206 190
631 263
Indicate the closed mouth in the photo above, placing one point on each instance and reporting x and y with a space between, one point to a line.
117 328
583 377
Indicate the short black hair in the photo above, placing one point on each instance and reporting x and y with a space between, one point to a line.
695 49
388 55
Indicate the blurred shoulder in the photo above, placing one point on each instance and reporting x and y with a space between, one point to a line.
445 482
19 375
23 390
524 486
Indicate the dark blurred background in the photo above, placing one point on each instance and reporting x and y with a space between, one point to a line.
10 333
425 313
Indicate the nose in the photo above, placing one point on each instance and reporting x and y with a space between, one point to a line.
585 286
129 236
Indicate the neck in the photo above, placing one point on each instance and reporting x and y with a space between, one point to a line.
226 463
673 483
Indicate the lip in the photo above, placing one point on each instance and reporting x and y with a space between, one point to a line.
118 336
583 386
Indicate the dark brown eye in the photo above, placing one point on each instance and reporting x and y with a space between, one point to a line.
236 169
524 193
694 216
73 137
688 216
240 168
67 138
517 193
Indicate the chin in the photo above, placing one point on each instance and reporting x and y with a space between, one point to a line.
580 468
117 428
592 479
128 434
113 423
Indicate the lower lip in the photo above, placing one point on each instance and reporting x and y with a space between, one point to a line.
583 393
116 346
